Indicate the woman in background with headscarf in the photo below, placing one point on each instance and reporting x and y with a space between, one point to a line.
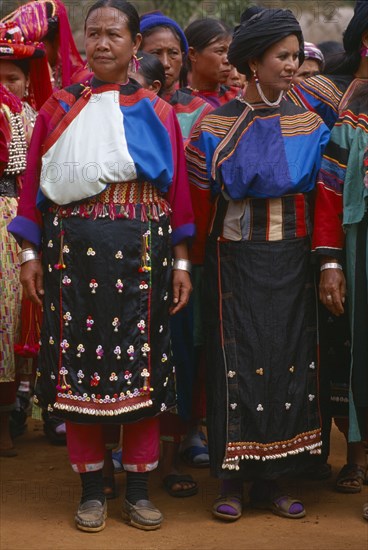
313 62
23 89
47 21
164 38
252 165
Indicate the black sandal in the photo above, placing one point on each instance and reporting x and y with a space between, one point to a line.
350 473
172 479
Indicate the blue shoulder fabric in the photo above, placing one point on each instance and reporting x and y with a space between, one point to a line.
258 166
304 156
149 144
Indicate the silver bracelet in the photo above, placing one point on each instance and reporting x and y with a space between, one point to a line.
331 265
183 265
27 254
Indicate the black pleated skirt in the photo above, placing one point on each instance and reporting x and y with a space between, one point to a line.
260 320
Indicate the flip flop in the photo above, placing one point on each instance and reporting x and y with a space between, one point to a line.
280 506
267 495
231 501
170 480
348 474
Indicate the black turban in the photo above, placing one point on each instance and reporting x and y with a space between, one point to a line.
249 12
255 35
358 24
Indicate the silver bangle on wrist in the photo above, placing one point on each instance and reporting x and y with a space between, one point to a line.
331 265
182 265
27 254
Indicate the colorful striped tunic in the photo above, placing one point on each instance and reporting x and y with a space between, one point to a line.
290 140
251 169
215 98
190 110
321 94
341 221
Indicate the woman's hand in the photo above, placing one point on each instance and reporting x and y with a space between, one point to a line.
182 288
31 277
332 290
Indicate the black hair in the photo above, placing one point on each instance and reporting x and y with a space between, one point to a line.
52 23
200 34
248 72
343 64
152 69
203 32
125 7
152 30
336 59
23 65
330 47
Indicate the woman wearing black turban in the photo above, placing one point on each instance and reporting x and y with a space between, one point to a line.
252 164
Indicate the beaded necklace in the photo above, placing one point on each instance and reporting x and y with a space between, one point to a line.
262 96
17 147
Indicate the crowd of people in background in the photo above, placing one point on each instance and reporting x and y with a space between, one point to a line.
184 252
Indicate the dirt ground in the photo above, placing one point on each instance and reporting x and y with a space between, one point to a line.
39 495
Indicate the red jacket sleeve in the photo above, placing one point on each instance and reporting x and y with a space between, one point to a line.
178 195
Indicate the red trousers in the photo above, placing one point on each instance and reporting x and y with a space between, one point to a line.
87 444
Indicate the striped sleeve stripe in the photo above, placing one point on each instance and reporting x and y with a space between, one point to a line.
323 88
197 168
196 156
304 124
217 125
